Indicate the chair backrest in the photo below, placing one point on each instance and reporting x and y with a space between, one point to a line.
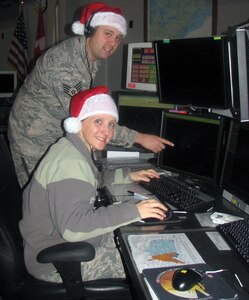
11 249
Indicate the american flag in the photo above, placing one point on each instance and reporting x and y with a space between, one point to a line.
18 53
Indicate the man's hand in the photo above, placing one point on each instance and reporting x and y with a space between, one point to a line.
152 142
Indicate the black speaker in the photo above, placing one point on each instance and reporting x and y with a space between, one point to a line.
142 119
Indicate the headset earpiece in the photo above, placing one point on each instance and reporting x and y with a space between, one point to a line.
88 31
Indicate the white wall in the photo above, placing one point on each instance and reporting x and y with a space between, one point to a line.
230 13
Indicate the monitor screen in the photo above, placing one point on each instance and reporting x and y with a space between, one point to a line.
240 72
193 72
142 119
235 177
8 83
141 67
198 146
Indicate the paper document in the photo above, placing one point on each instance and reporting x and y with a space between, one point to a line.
122 154
162 250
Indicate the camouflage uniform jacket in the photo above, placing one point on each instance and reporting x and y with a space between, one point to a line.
58 203
43 100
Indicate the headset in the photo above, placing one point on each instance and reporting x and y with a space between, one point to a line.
89 30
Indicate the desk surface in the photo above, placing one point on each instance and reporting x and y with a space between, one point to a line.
198 235
217 259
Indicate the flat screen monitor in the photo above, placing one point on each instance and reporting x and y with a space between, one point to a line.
8 83
141 67
193 72
198 149
235 179
240 72
142 119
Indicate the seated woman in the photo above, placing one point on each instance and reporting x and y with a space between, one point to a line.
58 203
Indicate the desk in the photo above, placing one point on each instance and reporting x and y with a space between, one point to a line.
211 255
217 259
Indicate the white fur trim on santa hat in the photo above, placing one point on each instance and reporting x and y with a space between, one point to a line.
100 19
72 125
78 28
99 104
110 19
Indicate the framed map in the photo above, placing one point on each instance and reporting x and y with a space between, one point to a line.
179 19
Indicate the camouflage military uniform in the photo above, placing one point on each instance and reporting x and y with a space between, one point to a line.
43 102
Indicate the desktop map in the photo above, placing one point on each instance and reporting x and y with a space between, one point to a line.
162 250
179 19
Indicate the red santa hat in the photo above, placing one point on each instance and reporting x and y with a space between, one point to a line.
88 103
97 14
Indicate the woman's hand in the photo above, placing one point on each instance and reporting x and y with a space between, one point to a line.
144 175
151 208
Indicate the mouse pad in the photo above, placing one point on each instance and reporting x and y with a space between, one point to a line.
212 286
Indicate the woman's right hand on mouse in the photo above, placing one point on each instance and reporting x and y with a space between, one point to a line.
151 208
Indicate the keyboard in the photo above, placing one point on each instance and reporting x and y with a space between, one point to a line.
170 190
237 235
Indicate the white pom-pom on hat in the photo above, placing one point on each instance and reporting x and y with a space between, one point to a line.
72 125
78 28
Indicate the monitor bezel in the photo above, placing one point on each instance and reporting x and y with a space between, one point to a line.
231 192
9 94
220 147
224 62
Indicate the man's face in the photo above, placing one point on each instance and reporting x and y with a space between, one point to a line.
103 43
98 130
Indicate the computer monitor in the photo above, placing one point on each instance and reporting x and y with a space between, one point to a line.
240 72
193 72
141 67
8 83
142 119
235 175
199 145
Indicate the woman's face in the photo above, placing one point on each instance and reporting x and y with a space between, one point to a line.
98 130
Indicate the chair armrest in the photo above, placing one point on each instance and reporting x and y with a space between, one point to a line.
67 252
67 258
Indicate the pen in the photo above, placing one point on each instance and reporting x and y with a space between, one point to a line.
138 196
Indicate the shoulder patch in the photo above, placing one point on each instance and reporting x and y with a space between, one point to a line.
72 90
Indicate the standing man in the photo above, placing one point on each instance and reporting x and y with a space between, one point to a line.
61 72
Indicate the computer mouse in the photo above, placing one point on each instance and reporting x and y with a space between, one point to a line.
185 279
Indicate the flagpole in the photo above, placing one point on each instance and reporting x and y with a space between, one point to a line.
56 23
21 4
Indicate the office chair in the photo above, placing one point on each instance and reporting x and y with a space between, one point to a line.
15 282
